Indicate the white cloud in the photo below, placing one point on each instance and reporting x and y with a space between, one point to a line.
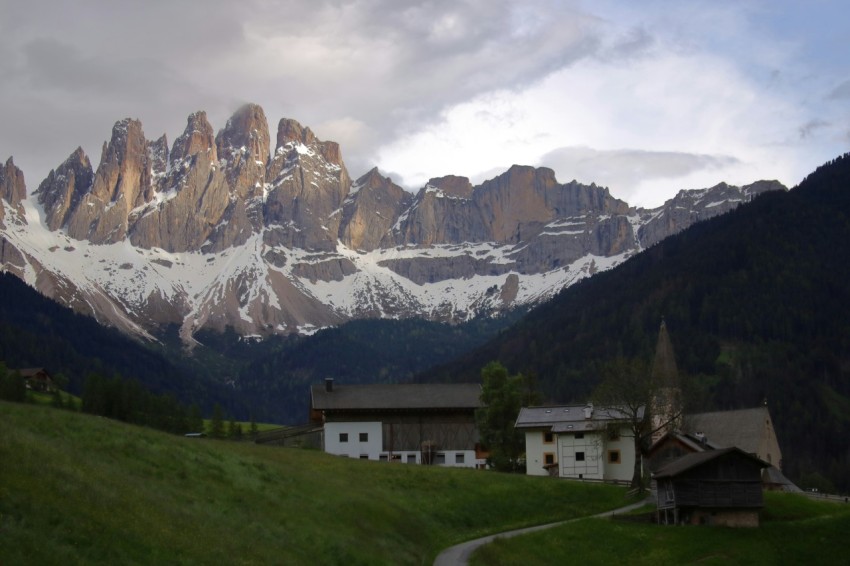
462 87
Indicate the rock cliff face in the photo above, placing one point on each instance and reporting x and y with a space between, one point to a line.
220 231
373 206
13 190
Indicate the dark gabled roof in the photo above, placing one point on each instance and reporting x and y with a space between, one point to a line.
398 396
696 459
690 441
742 428
566 418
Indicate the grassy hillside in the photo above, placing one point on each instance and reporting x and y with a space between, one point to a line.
81 489
794 530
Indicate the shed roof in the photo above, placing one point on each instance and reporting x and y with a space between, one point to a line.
742 428
696 459
565 418
397 396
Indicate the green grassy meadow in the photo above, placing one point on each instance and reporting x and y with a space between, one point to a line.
794 530
79 489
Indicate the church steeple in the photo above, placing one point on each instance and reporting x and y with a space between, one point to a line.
665 374
666 409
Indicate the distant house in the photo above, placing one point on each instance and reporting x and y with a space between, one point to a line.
409 423
37 379
577 441
751 430
714 487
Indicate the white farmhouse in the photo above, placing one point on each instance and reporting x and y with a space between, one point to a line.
577 441
408 423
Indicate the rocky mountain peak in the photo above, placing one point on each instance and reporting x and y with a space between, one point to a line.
453 186
289 130
246 131
63 189
12 185
12 189
370 211
198 137
122 182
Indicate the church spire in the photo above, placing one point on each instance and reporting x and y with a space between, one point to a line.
665 374
666 409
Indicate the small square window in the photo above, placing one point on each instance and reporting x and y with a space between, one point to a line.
548 438
579 456
613 456
459 458
579 435
343 437
364 456
548 458
364 437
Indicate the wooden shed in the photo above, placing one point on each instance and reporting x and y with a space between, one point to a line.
715 487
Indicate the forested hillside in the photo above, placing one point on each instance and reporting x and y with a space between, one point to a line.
757 303
268 380
38 332
365 351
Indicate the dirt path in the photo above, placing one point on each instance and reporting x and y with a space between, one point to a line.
458 555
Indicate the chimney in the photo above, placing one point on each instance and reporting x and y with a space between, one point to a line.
329 384
588 411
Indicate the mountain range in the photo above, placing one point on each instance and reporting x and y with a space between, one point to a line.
219 231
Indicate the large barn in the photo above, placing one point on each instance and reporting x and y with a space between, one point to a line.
409 423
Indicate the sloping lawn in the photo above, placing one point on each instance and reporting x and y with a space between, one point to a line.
794 530
77 489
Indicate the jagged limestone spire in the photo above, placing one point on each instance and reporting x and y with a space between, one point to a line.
666 407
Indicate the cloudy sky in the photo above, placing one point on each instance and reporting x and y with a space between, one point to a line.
645 98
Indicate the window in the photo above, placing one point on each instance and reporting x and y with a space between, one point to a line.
364 456
548 438
579 435
459 457
441 458
548 458
411 458
343 437
579 456
382 457
613 456
364 437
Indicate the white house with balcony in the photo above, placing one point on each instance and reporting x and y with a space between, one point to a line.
578 441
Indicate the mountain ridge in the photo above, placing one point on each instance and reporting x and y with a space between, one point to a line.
219 230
